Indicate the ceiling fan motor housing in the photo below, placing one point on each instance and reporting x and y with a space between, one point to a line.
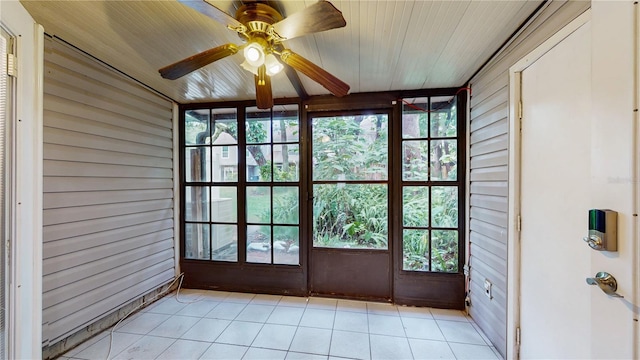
258 18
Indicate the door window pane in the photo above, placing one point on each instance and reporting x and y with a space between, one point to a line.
350 148
286 245
225 169
258 163
415 206
444 250
196 241
225 127
444 160
224 204
286 202
415 160
197 164
196 203
444 119
196 126
258 129
415 118
286 159
259 204
285 127
415 250
259 244
444 206
224 240
350 216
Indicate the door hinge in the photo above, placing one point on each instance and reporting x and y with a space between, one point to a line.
519 223
12 65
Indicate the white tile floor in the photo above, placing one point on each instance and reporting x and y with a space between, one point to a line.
221 325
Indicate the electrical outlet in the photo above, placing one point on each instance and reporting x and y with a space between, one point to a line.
487 288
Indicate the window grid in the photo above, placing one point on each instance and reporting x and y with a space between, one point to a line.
281 252
212 193
421 252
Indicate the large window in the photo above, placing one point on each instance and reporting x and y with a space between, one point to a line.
273 189
297 201
241 186
211 184
430 184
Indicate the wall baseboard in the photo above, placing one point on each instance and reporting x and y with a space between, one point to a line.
102 324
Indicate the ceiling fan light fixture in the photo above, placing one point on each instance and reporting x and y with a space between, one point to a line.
254 54
250 68
273 65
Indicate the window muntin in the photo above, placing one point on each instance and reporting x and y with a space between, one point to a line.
273 186
211 184
428 180
430 186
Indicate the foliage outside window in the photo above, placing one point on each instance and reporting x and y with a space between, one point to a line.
350 190
349 183
430 186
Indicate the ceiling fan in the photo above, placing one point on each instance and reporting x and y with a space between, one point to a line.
263 30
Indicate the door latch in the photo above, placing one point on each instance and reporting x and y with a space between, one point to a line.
606 282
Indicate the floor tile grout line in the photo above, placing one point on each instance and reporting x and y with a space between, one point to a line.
174 341
447 341
298 325
261 327
406 336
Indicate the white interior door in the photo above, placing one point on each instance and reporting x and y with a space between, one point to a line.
561 316
5 111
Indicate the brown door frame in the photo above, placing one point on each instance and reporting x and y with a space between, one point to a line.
333 271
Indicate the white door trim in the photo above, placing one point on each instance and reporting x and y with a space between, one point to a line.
24 325
176 187
513 238
636 172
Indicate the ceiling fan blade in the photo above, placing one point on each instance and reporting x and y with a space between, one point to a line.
206 8
264 97
316 73
318 17
195 62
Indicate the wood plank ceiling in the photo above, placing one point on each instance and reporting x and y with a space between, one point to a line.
386 45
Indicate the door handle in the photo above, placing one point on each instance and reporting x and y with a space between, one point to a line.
606 282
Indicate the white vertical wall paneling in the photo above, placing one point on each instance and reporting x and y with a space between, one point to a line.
108 188
489 153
